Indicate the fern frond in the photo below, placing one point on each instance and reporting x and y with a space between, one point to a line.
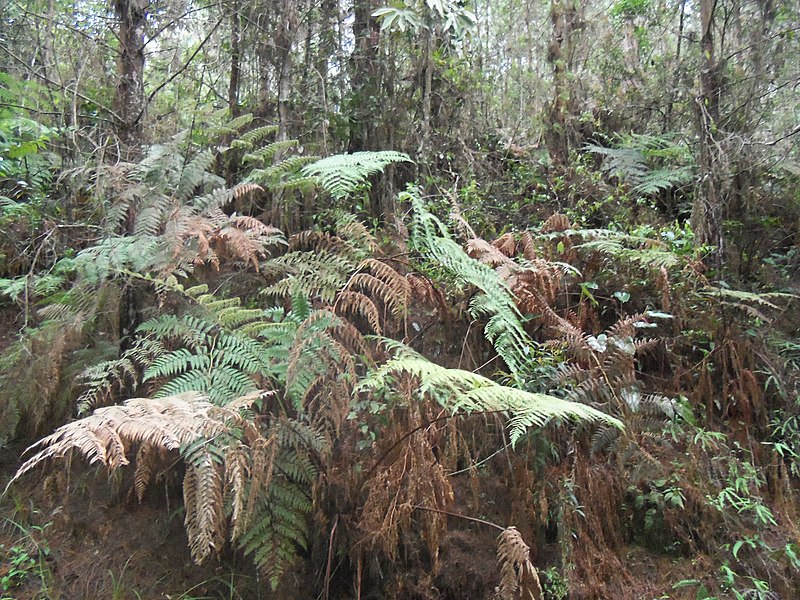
192 175
312 274
767 300
458 390
351 229
105 436
221 196
151 215
220 448
518 577
504 328
234 125
356 303
629 163
254 136
114 256
342 174
266 153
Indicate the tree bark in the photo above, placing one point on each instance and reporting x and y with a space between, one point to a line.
284 40
566 20
129 99
233 84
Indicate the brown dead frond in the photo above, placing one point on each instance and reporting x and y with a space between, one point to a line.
486 253
316 240
208 238
412 476
506 244
157 428
356 303
424 291
518 577
106 436
528 246
375 291
556 222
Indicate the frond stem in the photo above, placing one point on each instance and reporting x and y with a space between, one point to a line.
460 516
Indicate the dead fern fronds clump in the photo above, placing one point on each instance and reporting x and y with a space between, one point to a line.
376 292
518 577
591 510
425 292
412 477
556 222
506 244
38 371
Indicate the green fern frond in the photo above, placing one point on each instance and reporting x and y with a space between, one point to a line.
504 327
311 274
342 174
265 154
232 126
114 256
635 162
254 136
151 216
290 166
304 185
191 331
458 390
766 299
192 175
657 180
646 253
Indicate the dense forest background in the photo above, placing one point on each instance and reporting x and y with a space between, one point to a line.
419 299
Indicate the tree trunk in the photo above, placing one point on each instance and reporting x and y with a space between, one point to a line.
565 19
129 100
427 90
284 40
709 202
233 85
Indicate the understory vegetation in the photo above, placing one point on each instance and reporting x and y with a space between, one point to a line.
419 350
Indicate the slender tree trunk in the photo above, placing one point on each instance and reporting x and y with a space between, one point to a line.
233 85
129 100
672 94
326 51
427 90
564 17
709 202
